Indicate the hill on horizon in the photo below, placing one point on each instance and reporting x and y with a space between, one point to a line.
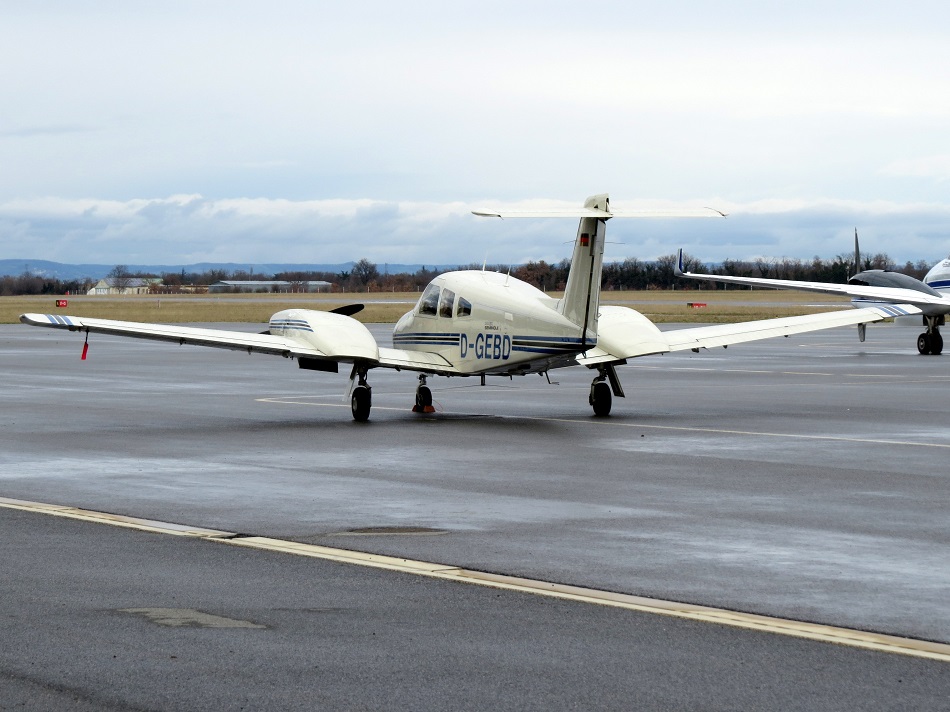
64 271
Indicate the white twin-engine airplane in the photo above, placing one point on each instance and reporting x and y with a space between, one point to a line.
478 323
901 293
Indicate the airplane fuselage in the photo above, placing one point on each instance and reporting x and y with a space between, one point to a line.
487 322
939 276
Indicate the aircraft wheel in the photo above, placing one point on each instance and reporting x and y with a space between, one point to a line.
923 343
361 402
423 396
600 398
936 343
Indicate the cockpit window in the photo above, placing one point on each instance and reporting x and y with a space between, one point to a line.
445 304
429 301
464 307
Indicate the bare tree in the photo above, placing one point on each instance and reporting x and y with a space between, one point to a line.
120 277
365 272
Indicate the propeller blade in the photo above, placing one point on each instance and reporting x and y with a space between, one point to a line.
857 253
348 309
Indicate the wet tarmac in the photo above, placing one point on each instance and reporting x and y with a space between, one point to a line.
802 478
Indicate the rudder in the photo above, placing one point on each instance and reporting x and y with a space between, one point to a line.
581 301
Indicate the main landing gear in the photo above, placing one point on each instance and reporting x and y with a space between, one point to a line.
423 397
931 342
600 396
362 398
602 390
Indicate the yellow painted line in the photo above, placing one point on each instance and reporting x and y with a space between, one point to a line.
748 621
118 520
706 614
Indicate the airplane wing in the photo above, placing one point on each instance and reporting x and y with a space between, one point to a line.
343 340
726 334
234 340
429 362
624 333
877 295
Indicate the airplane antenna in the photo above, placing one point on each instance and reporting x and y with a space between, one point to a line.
508 275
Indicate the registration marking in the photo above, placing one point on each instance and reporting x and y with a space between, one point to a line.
706 614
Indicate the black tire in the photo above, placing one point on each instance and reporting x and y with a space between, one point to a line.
923 343
936 343
361 402
423 397
601 398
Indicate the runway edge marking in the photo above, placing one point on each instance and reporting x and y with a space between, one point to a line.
116 520
749 621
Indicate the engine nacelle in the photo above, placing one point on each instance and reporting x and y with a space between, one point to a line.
337 336
626 333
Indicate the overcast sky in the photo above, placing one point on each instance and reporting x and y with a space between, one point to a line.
254 132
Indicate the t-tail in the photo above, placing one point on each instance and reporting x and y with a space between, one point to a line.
581 301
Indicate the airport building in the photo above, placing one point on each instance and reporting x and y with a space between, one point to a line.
231 286
125 285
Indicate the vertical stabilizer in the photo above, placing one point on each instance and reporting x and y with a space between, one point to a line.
581 300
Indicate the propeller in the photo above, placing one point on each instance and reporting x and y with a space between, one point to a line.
348 309
857 253
345 310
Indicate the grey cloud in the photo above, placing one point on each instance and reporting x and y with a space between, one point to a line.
197 229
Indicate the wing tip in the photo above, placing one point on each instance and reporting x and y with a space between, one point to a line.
37 319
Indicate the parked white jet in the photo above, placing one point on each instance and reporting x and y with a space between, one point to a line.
873 287
478 323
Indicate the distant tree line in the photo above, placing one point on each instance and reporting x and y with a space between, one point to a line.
27 283
364 276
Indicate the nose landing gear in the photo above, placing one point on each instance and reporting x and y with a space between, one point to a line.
423 397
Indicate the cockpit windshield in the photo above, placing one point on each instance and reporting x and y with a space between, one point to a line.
445 303
442 302
429 301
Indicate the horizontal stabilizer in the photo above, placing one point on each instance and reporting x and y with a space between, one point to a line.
602 214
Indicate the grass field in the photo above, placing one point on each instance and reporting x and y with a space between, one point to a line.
382 308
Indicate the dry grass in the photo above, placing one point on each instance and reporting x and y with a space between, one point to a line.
249 308
660 306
